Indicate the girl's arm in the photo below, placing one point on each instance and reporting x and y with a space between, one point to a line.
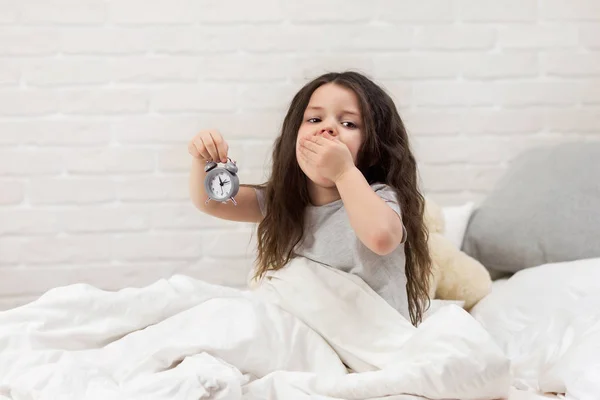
210 145
376 224
246 210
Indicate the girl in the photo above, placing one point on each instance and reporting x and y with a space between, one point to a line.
343 191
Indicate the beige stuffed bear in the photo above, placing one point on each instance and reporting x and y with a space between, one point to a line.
456 276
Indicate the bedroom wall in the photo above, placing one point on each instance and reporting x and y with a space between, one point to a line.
99 98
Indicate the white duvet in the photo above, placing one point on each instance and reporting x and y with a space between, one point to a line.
289 338
293 336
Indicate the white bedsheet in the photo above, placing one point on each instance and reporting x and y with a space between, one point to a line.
185 339
547 320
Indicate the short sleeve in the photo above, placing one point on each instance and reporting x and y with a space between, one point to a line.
388 194
260 196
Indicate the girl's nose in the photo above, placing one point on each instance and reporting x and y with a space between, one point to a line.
328 130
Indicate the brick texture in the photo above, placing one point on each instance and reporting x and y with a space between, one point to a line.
98 101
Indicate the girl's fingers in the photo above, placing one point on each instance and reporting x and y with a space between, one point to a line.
329 136
306 154
202 149
310 146
315 139
221 146
193 150
211 148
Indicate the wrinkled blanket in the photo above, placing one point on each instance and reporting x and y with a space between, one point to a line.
306 331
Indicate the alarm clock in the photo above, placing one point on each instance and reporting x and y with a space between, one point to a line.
221 183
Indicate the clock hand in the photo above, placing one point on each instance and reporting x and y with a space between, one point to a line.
220 181
224 182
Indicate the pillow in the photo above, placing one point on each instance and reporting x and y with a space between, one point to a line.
456 219
546 320
545 209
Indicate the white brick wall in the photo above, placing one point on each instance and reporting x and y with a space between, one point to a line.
99 97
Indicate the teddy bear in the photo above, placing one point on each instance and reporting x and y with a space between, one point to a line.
456 275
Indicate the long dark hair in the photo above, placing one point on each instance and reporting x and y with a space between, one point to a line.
384 157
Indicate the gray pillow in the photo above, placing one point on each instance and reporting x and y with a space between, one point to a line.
545 209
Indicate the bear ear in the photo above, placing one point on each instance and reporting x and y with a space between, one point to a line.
433 216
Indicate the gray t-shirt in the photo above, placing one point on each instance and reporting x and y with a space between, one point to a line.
330 239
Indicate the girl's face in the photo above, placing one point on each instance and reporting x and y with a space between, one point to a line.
334 109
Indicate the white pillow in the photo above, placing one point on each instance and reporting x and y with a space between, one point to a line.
457 218
547 321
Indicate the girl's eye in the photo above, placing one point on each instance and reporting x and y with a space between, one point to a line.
350 125
313 120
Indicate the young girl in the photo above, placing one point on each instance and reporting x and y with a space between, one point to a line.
342 192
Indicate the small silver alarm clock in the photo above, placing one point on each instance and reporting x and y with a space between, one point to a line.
221 183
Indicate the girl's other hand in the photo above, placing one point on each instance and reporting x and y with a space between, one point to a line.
330 156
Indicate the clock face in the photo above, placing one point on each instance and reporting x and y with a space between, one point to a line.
220 185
